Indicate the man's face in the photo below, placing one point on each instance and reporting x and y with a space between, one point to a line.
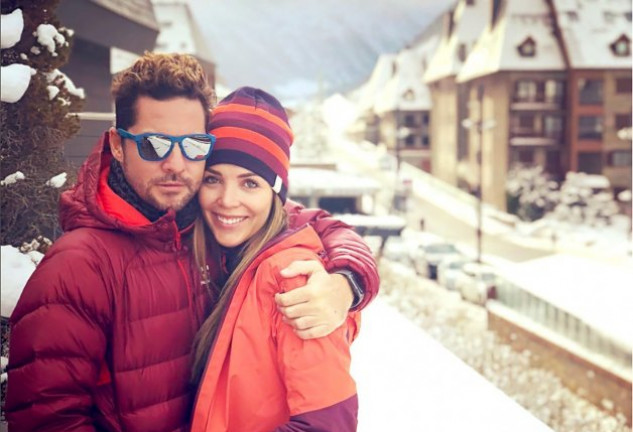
172 182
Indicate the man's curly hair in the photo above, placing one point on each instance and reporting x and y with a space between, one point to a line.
161 77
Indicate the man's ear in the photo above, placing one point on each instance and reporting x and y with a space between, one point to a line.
116 144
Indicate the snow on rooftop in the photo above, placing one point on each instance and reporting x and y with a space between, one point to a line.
597 292
589 28
497 48
405 90
383 70
468 21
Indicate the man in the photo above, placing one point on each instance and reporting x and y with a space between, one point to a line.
101 336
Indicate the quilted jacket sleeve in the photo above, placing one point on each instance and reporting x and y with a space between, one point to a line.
58 343
345 248
320 391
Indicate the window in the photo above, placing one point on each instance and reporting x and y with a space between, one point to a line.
410 140
408 95
470 2
622 46
425 119
526 121
590 91
623 85
554 91
590 127
461 52
620 158
622 121
409 120
524 156
525 91
425 140
590 163
553 126
552 161
527 47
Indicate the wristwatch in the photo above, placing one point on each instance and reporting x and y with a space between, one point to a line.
357 289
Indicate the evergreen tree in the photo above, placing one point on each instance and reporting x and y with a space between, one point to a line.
35 128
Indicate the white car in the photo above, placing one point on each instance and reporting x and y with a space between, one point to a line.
448 269
431 255
476 283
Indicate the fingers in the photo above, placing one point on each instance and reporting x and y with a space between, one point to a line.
305 267
314 332
291 298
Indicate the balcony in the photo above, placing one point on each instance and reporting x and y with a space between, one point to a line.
537 102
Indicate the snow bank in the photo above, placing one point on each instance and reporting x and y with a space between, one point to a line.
409 382
14 80
16 270
11 26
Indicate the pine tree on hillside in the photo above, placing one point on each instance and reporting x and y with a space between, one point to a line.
35 128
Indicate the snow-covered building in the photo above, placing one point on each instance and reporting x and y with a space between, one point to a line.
461 27
180 33
596 36
548 83
394 104
99 25
403 107
367 126
516 77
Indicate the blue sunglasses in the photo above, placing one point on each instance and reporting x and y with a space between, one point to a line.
155 146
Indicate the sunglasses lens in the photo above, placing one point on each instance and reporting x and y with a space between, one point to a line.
197 147
155 147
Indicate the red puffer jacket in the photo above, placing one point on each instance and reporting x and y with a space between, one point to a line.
101 336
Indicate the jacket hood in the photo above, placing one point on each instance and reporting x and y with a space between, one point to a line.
79 206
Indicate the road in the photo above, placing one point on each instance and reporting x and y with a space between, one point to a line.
438 220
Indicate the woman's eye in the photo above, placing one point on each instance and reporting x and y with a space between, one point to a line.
210 180
251 184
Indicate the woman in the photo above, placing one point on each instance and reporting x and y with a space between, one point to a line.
254 374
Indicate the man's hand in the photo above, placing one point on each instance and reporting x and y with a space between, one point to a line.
318 308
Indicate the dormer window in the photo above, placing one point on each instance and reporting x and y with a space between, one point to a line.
622 46
408 95
527 47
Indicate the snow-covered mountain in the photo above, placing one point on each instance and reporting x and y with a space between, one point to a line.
296 48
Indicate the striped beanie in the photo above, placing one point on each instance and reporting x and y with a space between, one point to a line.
252 131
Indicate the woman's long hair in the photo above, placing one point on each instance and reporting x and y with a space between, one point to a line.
277 222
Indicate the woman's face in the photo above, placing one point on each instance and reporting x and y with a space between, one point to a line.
235 203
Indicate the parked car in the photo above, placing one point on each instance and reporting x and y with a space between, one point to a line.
476 282
397 249
429 256
448 269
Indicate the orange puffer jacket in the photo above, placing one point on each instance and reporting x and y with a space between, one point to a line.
260 376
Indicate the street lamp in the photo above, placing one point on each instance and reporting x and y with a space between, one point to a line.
480 124
402 133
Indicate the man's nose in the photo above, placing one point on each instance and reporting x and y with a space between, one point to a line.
175 162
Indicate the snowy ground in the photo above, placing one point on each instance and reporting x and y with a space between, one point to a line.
425 389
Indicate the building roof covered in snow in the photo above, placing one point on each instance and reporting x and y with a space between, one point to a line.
383 70
179 32
405 90
519 38
592 30
462 27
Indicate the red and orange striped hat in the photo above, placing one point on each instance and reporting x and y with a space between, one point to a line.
252 130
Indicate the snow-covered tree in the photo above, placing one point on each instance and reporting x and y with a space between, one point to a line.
585 199
531 194
36 101
581 199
